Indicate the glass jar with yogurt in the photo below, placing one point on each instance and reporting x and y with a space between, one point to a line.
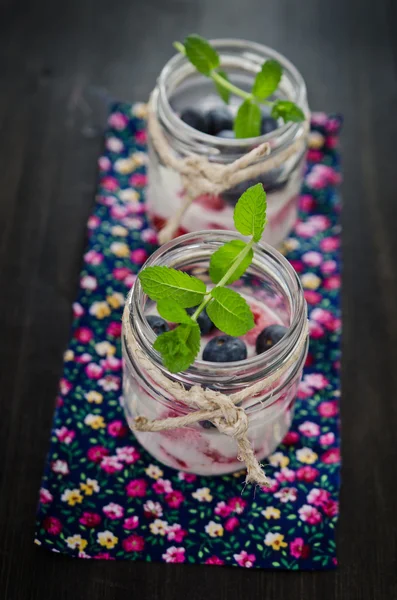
274 293
181 87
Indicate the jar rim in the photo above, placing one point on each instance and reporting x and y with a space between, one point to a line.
203 372
287 131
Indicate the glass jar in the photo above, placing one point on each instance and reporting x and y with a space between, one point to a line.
180 86
273 290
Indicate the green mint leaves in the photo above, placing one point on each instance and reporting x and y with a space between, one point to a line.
174 290
248 119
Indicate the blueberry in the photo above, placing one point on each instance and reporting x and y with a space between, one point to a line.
231 196
268 125
207 424
227 134
219 119
157 324
196 119
269 337
203 320
225 348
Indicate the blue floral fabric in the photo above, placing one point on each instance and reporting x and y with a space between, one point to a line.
105 497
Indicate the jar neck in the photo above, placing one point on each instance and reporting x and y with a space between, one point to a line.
268 265
248 58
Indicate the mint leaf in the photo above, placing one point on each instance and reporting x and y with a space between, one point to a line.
230 312
170 311
179 347
201 54
248 120
225 257
162 283
267 80
250 212
288 111
222 91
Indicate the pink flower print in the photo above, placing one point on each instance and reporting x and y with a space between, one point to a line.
121 273
104 163
232 523
45 496
304 390
244 559
152 509
174 555
307 474
316 331
60 466
109 183
111 363
83 358
237 505
329 244
103 556
83 335
309 514
214 560
176 533
307 202
285 475
133 543
128 454
321 316
52 525
78 310
162 486
149 236
328 409
107 200
110 464
298 549
312 259
320 222
319 118
141 137
118 121
117 429
93 258
309 360
327 439
318 497
90 519
331 142
137 208
174 499
138 180
138 256
286 494
88 282
136 488
113 511
118 212
114 329
291 438
331 456
305 229
129 281
110 383
94 371
65 435
331 508
133 223
314 155
222 509
332 283
65 386
297 265
93 222
309 429
97 453
272 486
188 477
114 144
131 523
328 267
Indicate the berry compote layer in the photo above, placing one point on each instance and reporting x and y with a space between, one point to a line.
201 448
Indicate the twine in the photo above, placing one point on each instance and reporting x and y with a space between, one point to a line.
208 404
200 176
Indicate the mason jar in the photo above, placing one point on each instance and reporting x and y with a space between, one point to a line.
180 86
274 293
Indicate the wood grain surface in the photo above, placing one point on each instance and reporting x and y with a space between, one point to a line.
60 61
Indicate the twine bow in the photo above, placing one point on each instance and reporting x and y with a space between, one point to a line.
220 409
200 176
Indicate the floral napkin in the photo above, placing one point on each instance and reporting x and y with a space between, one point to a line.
105 497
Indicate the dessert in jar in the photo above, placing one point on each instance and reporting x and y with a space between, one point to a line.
224 364
194 121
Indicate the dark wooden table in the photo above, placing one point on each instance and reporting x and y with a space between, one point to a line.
59 61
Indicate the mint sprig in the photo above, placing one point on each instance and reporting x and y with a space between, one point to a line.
174 290
247 123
